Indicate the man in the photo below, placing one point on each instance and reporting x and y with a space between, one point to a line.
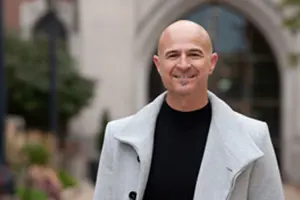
187 144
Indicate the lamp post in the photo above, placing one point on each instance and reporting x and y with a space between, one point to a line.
53 117
53 82
2 87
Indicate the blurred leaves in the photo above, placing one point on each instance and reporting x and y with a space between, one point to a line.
36 154
31 194
290 2
292 22
66 179
28 82
293 59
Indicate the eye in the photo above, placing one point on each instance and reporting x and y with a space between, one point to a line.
173 55
195 55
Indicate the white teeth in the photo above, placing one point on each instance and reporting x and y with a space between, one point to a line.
183 76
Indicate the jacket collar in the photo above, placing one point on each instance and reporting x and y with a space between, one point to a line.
236 147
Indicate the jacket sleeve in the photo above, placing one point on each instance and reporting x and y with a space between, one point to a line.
265 180
103 187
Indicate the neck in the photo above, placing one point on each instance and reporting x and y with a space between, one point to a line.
187 103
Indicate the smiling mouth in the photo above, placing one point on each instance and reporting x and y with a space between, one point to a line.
184 77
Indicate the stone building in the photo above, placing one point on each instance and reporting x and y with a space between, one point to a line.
114 41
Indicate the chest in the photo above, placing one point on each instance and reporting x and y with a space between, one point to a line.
131 174
175 165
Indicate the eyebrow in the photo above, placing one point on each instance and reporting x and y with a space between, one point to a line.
196 51
170 52
193 50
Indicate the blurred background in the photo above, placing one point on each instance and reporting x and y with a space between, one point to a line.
70 66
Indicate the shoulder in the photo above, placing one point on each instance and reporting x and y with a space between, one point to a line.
258 130
120 124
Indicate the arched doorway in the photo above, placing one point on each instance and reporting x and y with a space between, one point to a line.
247 75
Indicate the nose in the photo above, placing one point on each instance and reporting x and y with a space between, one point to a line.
183 63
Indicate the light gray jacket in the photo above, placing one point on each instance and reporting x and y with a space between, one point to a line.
239 162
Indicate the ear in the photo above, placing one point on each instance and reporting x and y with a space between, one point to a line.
213 62
156 62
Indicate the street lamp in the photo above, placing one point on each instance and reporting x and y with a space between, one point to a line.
53 117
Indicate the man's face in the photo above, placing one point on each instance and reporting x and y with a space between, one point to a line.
185 61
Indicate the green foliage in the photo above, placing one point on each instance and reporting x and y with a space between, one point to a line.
292 22
66 179
28 82
293 59
36 154
31 194
105 120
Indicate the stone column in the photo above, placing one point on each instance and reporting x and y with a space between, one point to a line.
107 31
295 142
106 41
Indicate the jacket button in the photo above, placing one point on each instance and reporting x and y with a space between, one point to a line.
132 195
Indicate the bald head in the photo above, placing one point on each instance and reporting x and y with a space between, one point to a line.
184 29
185 61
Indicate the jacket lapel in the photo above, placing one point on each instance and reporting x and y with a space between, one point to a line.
139 133
228 150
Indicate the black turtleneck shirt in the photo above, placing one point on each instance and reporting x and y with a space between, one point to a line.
179 143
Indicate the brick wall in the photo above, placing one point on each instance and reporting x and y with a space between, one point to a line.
12 14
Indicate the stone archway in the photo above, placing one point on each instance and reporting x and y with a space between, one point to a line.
266 21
